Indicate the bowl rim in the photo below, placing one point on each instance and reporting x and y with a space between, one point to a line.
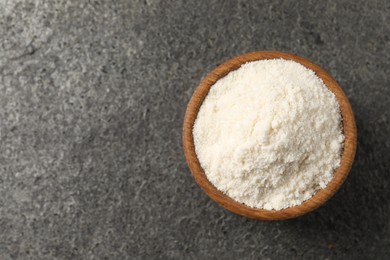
319 198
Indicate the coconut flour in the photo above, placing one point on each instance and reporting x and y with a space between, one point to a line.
269 134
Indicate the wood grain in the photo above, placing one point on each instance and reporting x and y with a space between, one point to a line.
321 196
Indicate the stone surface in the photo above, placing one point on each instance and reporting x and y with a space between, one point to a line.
92 100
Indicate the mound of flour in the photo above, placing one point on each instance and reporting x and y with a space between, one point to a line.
269 134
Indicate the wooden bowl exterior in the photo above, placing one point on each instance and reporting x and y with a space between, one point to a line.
349 129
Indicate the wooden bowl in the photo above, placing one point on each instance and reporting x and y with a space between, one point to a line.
348 154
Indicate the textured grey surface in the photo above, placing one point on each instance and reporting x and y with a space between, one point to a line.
92 99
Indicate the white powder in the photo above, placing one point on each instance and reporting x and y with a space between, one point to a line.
269 134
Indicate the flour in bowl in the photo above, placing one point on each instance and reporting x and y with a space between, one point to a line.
269 134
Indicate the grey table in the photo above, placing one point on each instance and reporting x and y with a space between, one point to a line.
92 100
